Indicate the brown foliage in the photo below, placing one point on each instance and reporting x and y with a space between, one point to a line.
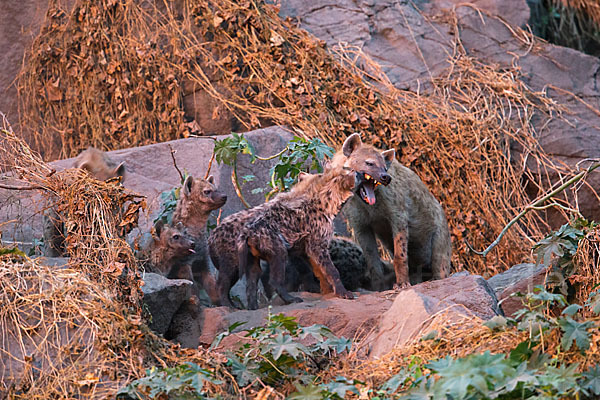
119 67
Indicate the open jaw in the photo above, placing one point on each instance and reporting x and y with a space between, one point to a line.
366 188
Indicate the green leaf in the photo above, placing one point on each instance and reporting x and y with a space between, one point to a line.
309 392
245 373
341 385
496 323
14 251
575 332
431 335
572 309
283 343
592 380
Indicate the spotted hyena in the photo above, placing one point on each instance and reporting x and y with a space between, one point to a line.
197 199
222 243
300 222
172 251
101 167
393 205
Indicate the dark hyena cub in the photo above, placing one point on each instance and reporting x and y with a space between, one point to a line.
172 250
197 199
394 206
101 167
302 222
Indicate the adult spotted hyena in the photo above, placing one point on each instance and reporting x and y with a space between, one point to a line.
197 199
222 242
301 222
101 167
393 205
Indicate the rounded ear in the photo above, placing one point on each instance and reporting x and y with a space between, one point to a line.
158 227
351 143
388 156
187 185
120 170
326 164
302 176
85 165
179 226
211 180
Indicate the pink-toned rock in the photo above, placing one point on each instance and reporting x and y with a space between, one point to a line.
348 318
414 307
519 278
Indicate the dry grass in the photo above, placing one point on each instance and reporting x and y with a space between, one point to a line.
575 24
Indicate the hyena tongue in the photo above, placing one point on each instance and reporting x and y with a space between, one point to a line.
367 192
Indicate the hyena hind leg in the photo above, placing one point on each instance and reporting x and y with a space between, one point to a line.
441 255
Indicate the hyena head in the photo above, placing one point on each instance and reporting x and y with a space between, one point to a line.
99 165
370 164
204 193
174 241
334 186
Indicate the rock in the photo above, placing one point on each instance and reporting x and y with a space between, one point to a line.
185 324
414 307
519 278
54 261
164 297
412 47
348 318
378 318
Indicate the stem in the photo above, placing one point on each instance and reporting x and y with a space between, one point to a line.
286 148
175 163
236 185
11 187
535 205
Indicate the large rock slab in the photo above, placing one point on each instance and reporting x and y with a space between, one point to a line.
164 297
348 318
414 307
379 320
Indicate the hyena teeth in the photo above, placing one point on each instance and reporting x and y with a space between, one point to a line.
368 177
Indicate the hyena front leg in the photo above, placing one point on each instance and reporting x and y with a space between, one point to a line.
323 268
401 259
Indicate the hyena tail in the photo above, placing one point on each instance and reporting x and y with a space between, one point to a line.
242 250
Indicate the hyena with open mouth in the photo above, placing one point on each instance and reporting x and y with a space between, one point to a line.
393 205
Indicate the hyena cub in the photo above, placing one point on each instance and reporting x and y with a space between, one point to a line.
101 167
197 199
393 205
301 222
172 250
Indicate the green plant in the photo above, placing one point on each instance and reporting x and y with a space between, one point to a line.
185 381
299 155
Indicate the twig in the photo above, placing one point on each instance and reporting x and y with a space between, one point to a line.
212 158
12 187
273 156
175 163
236 186
533 206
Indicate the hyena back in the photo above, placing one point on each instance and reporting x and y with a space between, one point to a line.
393 205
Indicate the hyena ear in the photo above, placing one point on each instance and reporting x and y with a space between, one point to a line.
388 157
158 227
85 165
302 176
211 180
351 144
179 226
120 170
187 185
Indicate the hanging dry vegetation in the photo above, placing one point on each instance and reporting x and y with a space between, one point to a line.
112 74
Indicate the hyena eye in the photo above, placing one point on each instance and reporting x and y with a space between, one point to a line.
370 163
207 192
176 236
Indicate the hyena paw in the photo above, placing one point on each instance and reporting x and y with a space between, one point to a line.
296 300
400 286
344 294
